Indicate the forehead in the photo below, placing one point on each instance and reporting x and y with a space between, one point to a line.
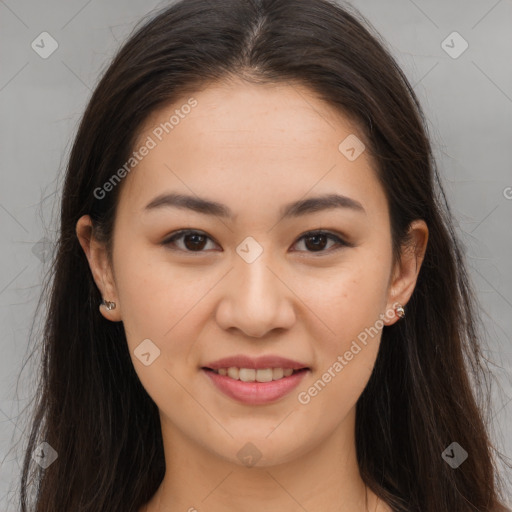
250 145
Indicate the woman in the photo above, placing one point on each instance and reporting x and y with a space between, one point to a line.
259 302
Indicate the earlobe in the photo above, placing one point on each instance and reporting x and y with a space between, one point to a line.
400 311
105 309
393 314
100 268
406 270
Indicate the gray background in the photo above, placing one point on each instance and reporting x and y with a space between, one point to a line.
468 101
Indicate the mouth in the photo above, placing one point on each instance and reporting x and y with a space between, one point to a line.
255 386
260 375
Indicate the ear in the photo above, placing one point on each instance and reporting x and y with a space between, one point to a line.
406 270
97 257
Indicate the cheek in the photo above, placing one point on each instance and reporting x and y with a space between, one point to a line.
153 293
350 299
162 303
349 306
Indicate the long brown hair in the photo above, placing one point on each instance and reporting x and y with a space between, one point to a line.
429 375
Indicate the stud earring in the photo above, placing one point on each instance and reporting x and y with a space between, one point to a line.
400 311
109 305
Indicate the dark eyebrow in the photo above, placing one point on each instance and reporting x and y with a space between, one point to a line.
295 209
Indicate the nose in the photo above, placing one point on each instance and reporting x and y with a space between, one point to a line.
256 298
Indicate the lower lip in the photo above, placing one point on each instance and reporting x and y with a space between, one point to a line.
255 393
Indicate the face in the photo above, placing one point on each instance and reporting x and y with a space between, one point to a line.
253 278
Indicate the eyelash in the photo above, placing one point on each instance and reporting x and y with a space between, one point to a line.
184 232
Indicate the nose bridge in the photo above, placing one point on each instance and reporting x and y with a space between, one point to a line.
258 290
257 300
251 266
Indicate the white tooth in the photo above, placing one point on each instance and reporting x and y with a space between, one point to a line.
287 372
247 374
222 371
277 373
233 372
264 375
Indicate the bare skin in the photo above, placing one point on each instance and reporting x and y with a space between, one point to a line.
255 148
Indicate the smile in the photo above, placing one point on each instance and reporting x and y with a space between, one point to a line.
255 386
255 375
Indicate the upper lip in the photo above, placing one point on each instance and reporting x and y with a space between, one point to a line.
268 361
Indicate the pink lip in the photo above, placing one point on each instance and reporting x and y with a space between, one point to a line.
269 361
255 393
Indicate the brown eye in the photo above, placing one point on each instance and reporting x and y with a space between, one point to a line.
196 241
316 241
192 241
